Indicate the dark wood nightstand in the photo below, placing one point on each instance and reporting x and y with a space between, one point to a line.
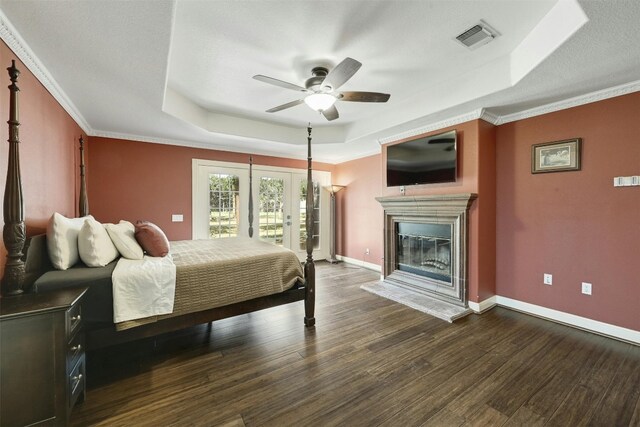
42 363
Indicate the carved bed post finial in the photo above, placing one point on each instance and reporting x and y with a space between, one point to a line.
250 196
309 266
83 201
14 228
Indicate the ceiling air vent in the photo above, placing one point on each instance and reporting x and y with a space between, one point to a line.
477 35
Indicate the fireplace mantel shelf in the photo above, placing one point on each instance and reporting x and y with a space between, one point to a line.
459 201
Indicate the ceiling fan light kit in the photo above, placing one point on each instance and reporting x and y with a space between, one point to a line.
320 101
321 88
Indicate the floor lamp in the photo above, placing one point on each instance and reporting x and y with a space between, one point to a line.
333 189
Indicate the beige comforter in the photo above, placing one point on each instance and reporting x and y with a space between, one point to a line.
214 273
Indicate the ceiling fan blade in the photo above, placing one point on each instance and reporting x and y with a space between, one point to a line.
285 106
341 73
276 82
331 113
364 96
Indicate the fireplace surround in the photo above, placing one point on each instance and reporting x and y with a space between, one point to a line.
426 244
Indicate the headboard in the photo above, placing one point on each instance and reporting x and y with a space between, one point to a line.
36 260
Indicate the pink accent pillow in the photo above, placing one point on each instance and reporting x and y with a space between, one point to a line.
152 239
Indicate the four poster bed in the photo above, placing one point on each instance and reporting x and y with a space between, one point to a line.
28 268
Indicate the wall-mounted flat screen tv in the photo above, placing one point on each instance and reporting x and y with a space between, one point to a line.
427 160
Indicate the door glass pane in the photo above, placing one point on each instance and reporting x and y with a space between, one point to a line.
224 205
271 216
303 215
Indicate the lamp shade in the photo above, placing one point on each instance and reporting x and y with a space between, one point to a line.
333 189
320 101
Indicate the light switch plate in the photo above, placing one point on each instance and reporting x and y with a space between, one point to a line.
586 288
547 279
177 218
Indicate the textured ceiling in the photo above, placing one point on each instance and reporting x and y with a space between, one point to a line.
216 50
180 71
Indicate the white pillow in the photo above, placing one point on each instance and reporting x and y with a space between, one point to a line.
123 237
94 244
62 240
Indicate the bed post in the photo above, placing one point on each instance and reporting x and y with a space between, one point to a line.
250 196
13 233
309 266
83 202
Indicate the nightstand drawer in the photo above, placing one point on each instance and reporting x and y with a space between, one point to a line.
75 349
76 382
73 320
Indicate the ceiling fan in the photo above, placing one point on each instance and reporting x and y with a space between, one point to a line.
321 89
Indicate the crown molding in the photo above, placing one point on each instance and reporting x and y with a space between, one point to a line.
16 43
576 101
243 150
489 117
360 155
498 120
473 115
197 144
480 113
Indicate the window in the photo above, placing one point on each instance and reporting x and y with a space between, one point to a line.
224 205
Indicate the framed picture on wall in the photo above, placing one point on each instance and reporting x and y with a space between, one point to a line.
557 156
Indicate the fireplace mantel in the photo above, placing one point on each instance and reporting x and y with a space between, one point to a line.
455 202
447 209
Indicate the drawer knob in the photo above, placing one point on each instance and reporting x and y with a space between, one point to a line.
76 348
75 318
77 378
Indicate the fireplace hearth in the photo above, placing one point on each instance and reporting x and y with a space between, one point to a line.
426 244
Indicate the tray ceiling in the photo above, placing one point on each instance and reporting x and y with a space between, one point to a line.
181 71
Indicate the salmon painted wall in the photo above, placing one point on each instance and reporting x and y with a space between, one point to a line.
361 216
137 180
485 209
359 221
48 149
574 225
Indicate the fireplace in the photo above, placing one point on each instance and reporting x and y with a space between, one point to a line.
424 249
426 241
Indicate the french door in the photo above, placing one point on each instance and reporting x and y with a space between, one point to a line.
272 209
221 205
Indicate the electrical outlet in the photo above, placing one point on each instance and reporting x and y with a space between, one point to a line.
366 251
547 279
586 288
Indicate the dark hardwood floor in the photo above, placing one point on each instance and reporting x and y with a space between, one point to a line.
369 361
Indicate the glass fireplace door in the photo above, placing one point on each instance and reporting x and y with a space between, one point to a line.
424 249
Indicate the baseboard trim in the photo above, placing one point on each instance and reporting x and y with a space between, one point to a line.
590 325
360 263
483 306
579 322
